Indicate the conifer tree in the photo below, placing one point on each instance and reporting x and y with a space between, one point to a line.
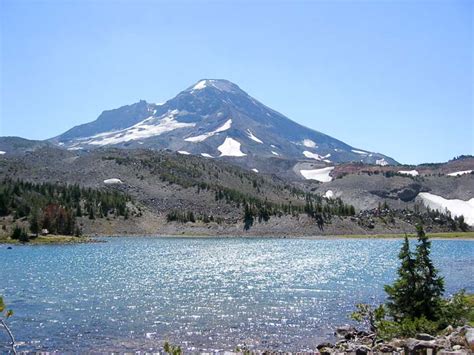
401 294
418 290
430 286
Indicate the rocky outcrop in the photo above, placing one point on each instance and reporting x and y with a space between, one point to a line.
457 341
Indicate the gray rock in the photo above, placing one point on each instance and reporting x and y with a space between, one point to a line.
416 344
385 348
424 336
362 350
470 338
454 352
325 345
346 331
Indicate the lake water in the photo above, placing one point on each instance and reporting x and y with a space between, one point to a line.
202 293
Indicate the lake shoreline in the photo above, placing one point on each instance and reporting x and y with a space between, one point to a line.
464 236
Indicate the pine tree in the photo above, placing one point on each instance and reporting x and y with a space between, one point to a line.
430 286
34 223
401 294
418 290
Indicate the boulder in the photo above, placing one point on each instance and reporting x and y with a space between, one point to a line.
362 350
443 343
414 345
457 339
325 345
470 338
385 348
326 351
346 331
424 336
452 352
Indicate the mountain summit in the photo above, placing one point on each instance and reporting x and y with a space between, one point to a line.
214 118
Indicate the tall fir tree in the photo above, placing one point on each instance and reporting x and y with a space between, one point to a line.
402 293
430 286
418 290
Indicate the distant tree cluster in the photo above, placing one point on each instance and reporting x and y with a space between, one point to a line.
55 206
189 216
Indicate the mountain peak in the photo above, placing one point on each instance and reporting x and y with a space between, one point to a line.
219 84
215 118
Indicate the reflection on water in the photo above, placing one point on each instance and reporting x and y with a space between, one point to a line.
203 293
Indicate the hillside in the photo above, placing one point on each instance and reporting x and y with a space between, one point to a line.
174 193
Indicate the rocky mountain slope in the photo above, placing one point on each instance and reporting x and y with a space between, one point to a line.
160 182
214 119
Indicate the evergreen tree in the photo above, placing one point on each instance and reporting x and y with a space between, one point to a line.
248 217
418 290
430 286
401 294
34 223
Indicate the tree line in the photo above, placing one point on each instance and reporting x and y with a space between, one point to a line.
55 207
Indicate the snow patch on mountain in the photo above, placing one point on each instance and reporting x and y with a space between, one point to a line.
200 85
252 137
2 152
149 127
381 162
183 152
311 155
321 175
329 194
112 181
309 143
458 173
255 170
455 206
275 153
409 172
359 151
230 148
205 136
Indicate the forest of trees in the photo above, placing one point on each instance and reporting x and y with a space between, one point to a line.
55 207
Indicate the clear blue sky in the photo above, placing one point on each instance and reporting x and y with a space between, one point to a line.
392 77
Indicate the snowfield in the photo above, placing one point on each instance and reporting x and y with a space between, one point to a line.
359 151
275 153
149 127
205 136
381 162
255 170
205 155
310 155
455 206
409 172
458 173
112 181
2 152
252 137
183 152
329 194
309 143
321 175
230 148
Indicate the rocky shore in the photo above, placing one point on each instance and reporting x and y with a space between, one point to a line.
457 341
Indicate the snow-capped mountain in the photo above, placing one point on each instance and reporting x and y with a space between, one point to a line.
213 119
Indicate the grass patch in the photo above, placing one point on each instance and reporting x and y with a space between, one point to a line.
48 239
